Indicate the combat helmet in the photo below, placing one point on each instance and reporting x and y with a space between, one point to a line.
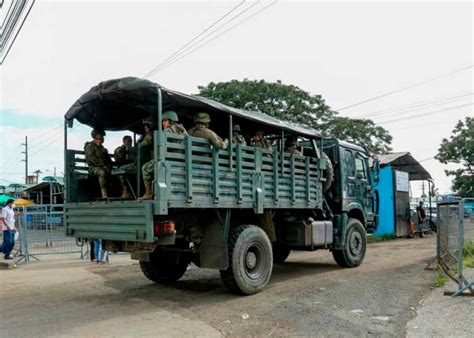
96 132
237 128
170 115
202 118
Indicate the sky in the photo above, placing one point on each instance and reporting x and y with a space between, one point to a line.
346 51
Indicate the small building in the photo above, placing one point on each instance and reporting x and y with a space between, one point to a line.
393 192
50 191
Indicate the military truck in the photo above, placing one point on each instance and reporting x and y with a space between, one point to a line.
239 210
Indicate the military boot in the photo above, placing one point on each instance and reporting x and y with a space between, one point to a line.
125 193
148 193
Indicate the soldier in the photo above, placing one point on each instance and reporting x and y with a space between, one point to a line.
169 122
124 161
98 160
201 129
237 137
259 140
292 146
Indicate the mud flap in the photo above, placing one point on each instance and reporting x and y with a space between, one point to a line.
214 250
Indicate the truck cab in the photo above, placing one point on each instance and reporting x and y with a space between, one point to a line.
351 191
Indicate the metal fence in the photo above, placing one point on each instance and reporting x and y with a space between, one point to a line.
455 242
41 232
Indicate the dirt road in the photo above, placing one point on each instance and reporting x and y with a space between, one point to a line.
308 295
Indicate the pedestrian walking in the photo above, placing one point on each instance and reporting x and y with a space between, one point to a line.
9 230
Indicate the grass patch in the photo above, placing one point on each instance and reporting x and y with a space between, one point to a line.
468 254
441 278
374 239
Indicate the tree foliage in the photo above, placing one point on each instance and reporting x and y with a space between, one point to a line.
459 149
288 102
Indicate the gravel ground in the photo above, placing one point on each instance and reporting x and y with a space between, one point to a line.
444 316
308 295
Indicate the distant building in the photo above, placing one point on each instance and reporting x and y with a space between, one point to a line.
50 191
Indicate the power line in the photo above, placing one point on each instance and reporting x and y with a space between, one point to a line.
2 58
47 139
409 111
11 157
428 113
427 159
408 107
405 88
178 55
216 37
46 146
150 73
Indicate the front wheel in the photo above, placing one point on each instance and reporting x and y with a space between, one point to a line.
250 260
355 245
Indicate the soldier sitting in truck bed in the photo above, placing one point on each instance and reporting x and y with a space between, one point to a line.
170 124
291 146
122 155
98 160
201 129
237 137
259 140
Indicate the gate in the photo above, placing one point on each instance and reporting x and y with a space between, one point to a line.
42 232
455 242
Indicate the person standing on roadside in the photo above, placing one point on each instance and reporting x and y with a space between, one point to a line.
8 226
421 216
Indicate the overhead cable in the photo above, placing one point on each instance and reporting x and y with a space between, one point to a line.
405 88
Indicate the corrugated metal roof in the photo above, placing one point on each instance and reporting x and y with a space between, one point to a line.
403 161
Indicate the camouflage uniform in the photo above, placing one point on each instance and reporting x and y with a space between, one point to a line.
263 143
124 161
293 149
147 168
200 130
97 158
238 139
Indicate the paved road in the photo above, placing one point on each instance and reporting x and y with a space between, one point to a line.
308 295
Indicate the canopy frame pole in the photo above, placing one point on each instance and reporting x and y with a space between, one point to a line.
230 142
66 164
162 179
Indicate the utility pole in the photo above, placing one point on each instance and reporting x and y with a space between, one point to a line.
26 158
37 172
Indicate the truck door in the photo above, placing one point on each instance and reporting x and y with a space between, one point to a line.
363 187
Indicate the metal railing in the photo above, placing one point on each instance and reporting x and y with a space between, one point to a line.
41 232
455 242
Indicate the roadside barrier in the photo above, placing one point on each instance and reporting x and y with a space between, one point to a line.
41 232
455 242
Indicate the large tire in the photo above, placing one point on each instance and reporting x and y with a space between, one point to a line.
162 271
280 253
250 260
355 245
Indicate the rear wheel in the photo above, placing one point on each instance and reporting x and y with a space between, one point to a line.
250 260
162 269
280 253
355 245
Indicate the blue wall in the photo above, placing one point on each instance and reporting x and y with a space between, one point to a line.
385 188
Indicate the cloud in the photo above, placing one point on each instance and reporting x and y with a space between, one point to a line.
15 118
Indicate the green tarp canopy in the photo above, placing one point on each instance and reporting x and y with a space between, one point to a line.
4 199
122 104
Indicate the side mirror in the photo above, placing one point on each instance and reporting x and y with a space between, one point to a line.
376 169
